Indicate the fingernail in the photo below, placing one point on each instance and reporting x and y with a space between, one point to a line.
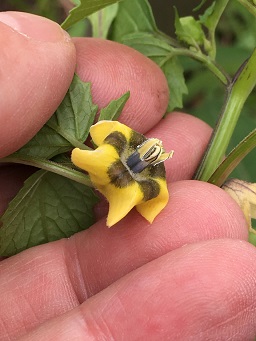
34 26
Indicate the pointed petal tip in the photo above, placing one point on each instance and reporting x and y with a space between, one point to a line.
114 219
151 208
121 201
76 156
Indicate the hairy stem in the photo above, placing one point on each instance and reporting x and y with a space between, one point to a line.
50 166
209 63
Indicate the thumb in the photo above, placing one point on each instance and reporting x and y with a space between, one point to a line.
37 63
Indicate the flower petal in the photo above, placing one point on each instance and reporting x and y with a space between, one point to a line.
96 162
117 170
121 200
151 208
102 129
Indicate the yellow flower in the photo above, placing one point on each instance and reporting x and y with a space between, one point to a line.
127 169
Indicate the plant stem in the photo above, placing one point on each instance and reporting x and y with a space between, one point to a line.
233 159
74 142
242 85
169 40
212 23
50 166
206 61
249 6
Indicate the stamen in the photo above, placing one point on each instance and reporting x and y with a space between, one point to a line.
150 152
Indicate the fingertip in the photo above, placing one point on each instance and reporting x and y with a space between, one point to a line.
204 211
188 136
114 69
34 27
37 67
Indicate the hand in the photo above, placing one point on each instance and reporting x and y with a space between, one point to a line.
188 276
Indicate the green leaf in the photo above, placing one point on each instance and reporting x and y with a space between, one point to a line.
233 159
68 127
173 71
102 20
45 144
149 45
76 2
135 26
189 30
114 108
206 18
47 208
80 29
76 113
84 9
133 16
164 56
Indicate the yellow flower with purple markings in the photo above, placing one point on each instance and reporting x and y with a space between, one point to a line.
127 168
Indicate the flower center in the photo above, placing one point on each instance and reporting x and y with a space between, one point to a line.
150 152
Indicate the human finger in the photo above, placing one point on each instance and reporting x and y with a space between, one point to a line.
196 211
197 292
70 271
114 69
188 136
37 65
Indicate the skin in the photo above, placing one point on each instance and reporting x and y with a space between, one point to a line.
188 276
